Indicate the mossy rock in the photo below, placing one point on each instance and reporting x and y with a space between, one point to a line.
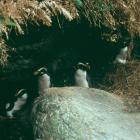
73 113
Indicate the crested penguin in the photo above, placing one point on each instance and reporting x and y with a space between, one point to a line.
43 80
81 75
122 56
20 100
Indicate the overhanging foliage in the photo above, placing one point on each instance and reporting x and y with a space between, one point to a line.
111 14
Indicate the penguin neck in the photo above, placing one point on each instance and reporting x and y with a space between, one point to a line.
82 73
43 83
81 78
122 56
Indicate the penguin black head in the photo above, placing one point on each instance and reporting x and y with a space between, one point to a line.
83 66
40 71
21 92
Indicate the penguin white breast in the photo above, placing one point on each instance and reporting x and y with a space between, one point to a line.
18 104
122 56
80 78
43 83
24 96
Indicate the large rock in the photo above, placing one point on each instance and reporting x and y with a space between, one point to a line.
73 113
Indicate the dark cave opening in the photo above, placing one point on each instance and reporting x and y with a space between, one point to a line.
57 48
78 38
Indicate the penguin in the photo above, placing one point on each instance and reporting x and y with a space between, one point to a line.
20 100
43 80
81 75
122 56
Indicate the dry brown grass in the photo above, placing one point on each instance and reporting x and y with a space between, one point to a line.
127 14
108 13
125 81
101 13
16 13
3 53
33 11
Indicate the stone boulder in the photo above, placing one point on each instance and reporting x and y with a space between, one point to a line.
75 113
